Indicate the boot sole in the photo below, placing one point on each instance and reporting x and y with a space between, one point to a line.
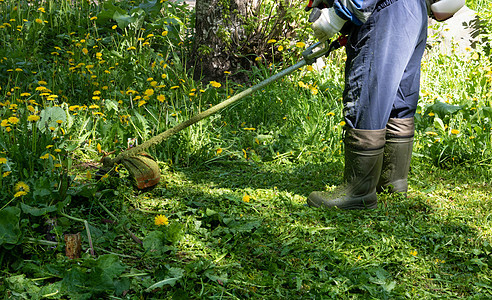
360 206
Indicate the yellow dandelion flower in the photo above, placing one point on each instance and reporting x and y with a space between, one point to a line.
20 194
413 252
161 220
431 114
161 98
149 92
300 45
215 84
455 131
131 48
21 187
13 120
342 123
3 160
5 174
114 27
280 48
246 198
218 151
39 21
271 41
33 118
164 33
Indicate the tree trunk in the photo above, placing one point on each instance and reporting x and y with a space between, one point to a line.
230 34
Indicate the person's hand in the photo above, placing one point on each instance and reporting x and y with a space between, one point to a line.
327 24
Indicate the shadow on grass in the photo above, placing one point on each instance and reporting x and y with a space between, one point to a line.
275 247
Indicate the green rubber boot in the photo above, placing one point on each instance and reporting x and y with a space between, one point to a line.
363 161
397 156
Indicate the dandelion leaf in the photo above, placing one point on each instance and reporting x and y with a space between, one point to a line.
10 232
37 211
443 109
151 7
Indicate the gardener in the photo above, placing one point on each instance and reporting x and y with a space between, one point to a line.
386 41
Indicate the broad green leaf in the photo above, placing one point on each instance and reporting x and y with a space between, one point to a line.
50 117
37 211
443 109
154 241
151 7
10 232
111 105
123 19
174 273
439 124
111 265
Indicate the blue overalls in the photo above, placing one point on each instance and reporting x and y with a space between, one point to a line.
382 73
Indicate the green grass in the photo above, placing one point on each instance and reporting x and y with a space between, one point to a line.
433 244
233 186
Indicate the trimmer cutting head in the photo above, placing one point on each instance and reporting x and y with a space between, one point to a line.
142 168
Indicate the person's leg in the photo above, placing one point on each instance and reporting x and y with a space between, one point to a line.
363 159
378 54
396 156
383 64
400 128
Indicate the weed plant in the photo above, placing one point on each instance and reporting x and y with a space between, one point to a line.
82 79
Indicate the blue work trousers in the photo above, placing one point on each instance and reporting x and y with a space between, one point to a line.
382 72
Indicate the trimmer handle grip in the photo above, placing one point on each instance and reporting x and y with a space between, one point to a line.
311 3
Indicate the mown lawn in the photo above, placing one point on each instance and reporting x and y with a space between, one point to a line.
246 232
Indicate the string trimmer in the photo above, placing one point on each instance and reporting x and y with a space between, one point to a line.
144 169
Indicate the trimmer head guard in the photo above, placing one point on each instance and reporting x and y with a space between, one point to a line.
144 169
